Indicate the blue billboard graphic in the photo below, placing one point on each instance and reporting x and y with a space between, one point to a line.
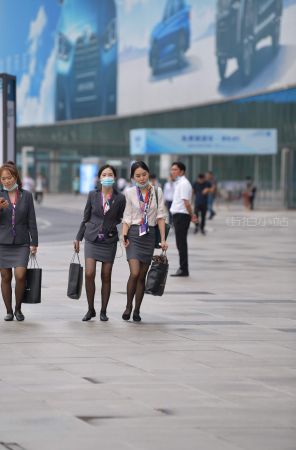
207 141
88 177
86 58
86 62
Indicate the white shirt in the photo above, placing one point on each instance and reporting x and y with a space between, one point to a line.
133 215
28 183
168 191
183 191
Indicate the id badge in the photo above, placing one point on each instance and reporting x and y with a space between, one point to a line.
143 229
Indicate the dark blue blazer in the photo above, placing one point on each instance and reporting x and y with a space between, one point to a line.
95 222
25 220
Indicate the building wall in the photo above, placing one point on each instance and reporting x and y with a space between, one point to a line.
109 137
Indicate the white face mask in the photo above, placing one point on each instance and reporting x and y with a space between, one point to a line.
15 186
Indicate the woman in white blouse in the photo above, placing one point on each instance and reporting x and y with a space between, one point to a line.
144 210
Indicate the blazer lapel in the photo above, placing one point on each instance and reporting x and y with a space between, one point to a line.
20 197
99 202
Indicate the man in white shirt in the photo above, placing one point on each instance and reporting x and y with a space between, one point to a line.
182 213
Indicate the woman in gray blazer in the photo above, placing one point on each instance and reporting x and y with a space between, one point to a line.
18 235
103 212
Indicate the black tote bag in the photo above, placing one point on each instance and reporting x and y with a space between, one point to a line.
157 275
32 293
75 279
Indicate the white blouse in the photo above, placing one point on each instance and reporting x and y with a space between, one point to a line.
132 214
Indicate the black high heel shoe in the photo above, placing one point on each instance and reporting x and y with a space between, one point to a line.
9 317
90 313
136 317
103 317
19 316
126 315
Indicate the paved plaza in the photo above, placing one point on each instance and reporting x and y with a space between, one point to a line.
212 366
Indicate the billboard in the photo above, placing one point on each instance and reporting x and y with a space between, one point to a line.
203 141
87 58
88 177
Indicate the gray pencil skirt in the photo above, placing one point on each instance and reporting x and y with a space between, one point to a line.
12 255
140 247
102 251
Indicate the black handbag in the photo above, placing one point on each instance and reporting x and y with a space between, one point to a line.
157 275
75 278
32 293
157 231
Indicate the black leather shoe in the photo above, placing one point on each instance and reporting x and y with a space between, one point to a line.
103 317
136 317
180 273
19 316
9 317
90 313
126 315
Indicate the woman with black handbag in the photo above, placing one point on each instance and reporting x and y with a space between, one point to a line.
144 211
103 212
18 236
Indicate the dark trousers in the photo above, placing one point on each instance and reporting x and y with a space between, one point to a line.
181 224
201 211
168 205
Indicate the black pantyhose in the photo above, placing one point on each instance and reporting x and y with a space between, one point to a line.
90 286
106 273
136 285
20 282
6 277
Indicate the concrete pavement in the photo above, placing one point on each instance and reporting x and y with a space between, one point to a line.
211 367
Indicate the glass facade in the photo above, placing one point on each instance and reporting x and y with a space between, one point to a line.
65 144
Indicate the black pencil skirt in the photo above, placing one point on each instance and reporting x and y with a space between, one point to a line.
102 251
140 247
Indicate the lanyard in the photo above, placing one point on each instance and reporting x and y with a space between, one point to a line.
144 204
106 204
13 212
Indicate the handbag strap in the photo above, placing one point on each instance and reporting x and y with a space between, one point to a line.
33 262
73 257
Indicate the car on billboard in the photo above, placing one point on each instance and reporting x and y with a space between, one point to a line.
240 25
170 38
86 65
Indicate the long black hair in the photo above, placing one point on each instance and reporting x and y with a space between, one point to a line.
136 166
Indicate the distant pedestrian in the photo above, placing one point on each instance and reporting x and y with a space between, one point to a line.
168 194
103 212
76 185
18 237
202 189
211 195
142 213
249 193
154 181
121 184
182 215
39 188
28 183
